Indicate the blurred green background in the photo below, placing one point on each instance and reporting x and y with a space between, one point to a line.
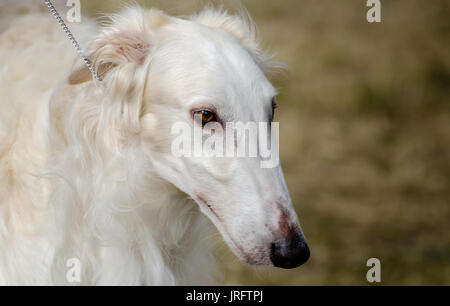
365 136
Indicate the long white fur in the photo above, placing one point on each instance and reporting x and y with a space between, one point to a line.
77 180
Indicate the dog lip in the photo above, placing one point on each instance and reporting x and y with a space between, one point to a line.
202 200
245 256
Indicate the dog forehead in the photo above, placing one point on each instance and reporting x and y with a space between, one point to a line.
209 58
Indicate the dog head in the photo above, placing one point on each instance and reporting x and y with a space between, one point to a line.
201 72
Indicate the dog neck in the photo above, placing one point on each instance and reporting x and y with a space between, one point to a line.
125 223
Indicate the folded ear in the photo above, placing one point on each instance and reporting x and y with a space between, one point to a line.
125 43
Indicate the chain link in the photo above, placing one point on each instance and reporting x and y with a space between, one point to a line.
72 39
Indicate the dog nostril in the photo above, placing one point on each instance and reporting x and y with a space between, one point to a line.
289 255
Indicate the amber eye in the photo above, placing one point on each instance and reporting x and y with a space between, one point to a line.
206 116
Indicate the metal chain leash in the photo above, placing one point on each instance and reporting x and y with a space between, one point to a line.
72 39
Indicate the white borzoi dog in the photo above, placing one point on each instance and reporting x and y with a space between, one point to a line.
86 169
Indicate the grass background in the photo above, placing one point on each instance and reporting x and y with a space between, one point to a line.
365 136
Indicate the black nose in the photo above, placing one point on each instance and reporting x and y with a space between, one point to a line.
290 254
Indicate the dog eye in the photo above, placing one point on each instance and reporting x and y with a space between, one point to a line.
206 116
